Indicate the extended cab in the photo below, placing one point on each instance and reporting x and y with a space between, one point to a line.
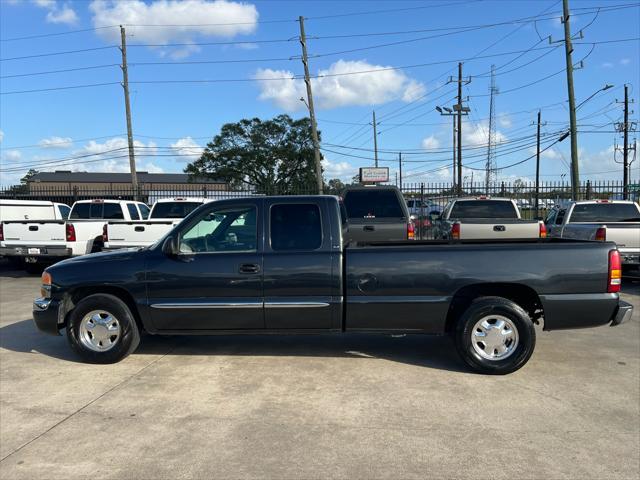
165 214
615 221
278 264
485 218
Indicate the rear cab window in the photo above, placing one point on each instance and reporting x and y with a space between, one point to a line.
173 209
64 211
604 212
133 211
295 227
96 210
483 209
144 210
371 203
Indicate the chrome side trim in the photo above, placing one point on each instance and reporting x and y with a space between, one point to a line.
295 305
396 299
208 305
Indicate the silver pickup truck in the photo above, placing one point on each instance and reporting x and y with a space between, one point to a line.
484 218
605 220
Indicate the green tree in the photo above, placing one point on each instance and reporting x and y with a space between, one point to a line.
335 186
23 187
272 156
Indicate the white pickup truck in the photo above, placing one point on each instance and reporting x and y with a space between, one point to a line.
485 218
605 220
165 214
49 240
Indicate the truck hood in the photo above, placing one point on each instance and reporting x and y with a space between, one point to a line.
115 256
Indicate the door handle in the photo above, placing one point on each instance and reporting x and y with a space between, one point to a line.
499 228
249 268
139 229
369 228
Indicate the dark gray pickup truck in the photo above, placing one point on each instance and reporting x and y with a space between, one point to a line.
278 264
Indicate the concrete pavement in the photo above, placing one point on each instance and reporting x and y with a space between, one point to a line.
318 406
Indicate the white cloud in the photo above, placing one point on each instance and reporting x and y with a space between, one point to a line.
430 143
187 148
335 89
12 155
625 61
58 13
219 18
64 14
477 134
504 120
607 65
56 142
342 170
1 136
102 155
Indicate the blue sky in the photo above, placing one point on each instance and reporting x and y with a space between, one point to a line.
392 57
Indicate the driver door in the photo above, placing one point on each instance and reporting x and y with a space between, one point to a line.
215 282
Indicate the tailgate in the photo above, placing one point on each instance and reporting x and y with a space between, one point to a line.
496 229
626 236
34 233
136 233
377 230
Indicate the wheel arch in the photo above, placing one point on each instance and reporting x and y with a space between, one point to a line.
523 295
77 294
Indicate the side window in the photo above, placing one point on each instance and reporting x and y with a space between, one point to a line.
560 216
144 211
113 211
551 217
222 230
133 211
295 227
64 211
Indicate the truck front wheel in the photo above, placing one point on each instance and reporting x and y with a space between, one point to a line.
495 336
101 329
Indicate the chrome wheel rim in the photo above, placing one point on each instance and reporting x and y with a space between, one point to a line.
99 331
494 337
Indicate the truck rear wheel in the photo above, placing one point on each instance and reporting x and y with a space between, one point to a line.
495 336
101 329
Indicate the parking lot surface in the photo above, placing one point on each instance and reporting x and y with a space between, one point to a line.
314 406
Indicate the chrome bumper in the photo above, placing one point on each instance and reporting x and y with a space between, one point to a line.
36 251
623 314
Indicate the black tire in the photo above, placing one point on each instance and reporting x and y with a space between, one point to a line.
487 306
126 342
33 268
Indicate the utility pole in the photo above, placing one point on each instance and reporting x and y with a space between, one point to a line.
454 153
400 168
490 168
568 47
125 86
459 110
625 151
375 138
538 164
312 114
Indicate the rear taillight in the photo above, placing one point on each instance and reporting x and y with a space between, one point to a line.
455 231
542 232
71 232
105 234
411 231
1 233
615 272
601 234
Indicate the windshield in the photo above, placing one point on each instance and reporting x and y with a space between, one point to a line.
605 212
483 209
173 209
372 204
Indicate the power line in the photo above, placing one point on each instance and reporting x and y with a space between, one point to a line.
391 10
51 54
75 69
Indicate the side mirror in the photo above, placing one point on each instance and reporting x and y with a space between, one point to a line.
170 246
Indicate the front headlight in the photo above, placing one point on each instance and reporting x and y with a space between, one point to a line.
45 288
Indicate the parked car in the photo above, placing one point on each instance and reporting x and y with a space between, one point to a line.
278 264
377 213
24 211
485 218
418 208
165 214
45 241
615 221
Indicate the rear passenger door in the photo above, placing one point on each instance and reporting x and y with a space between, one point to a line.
302 265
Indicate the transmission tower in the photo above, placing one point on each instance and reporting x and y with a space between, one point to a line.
491 167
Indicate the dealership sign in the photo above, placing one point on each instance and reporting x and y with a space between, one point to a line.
374 174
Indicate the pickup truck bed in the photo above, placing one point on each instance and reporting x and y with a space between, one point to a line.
278 264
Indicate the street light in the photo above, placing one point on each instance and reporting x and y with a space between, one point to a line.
606 87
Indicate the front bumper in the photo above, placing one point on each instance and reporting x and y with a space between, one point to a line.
36 251
623 313
46 315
